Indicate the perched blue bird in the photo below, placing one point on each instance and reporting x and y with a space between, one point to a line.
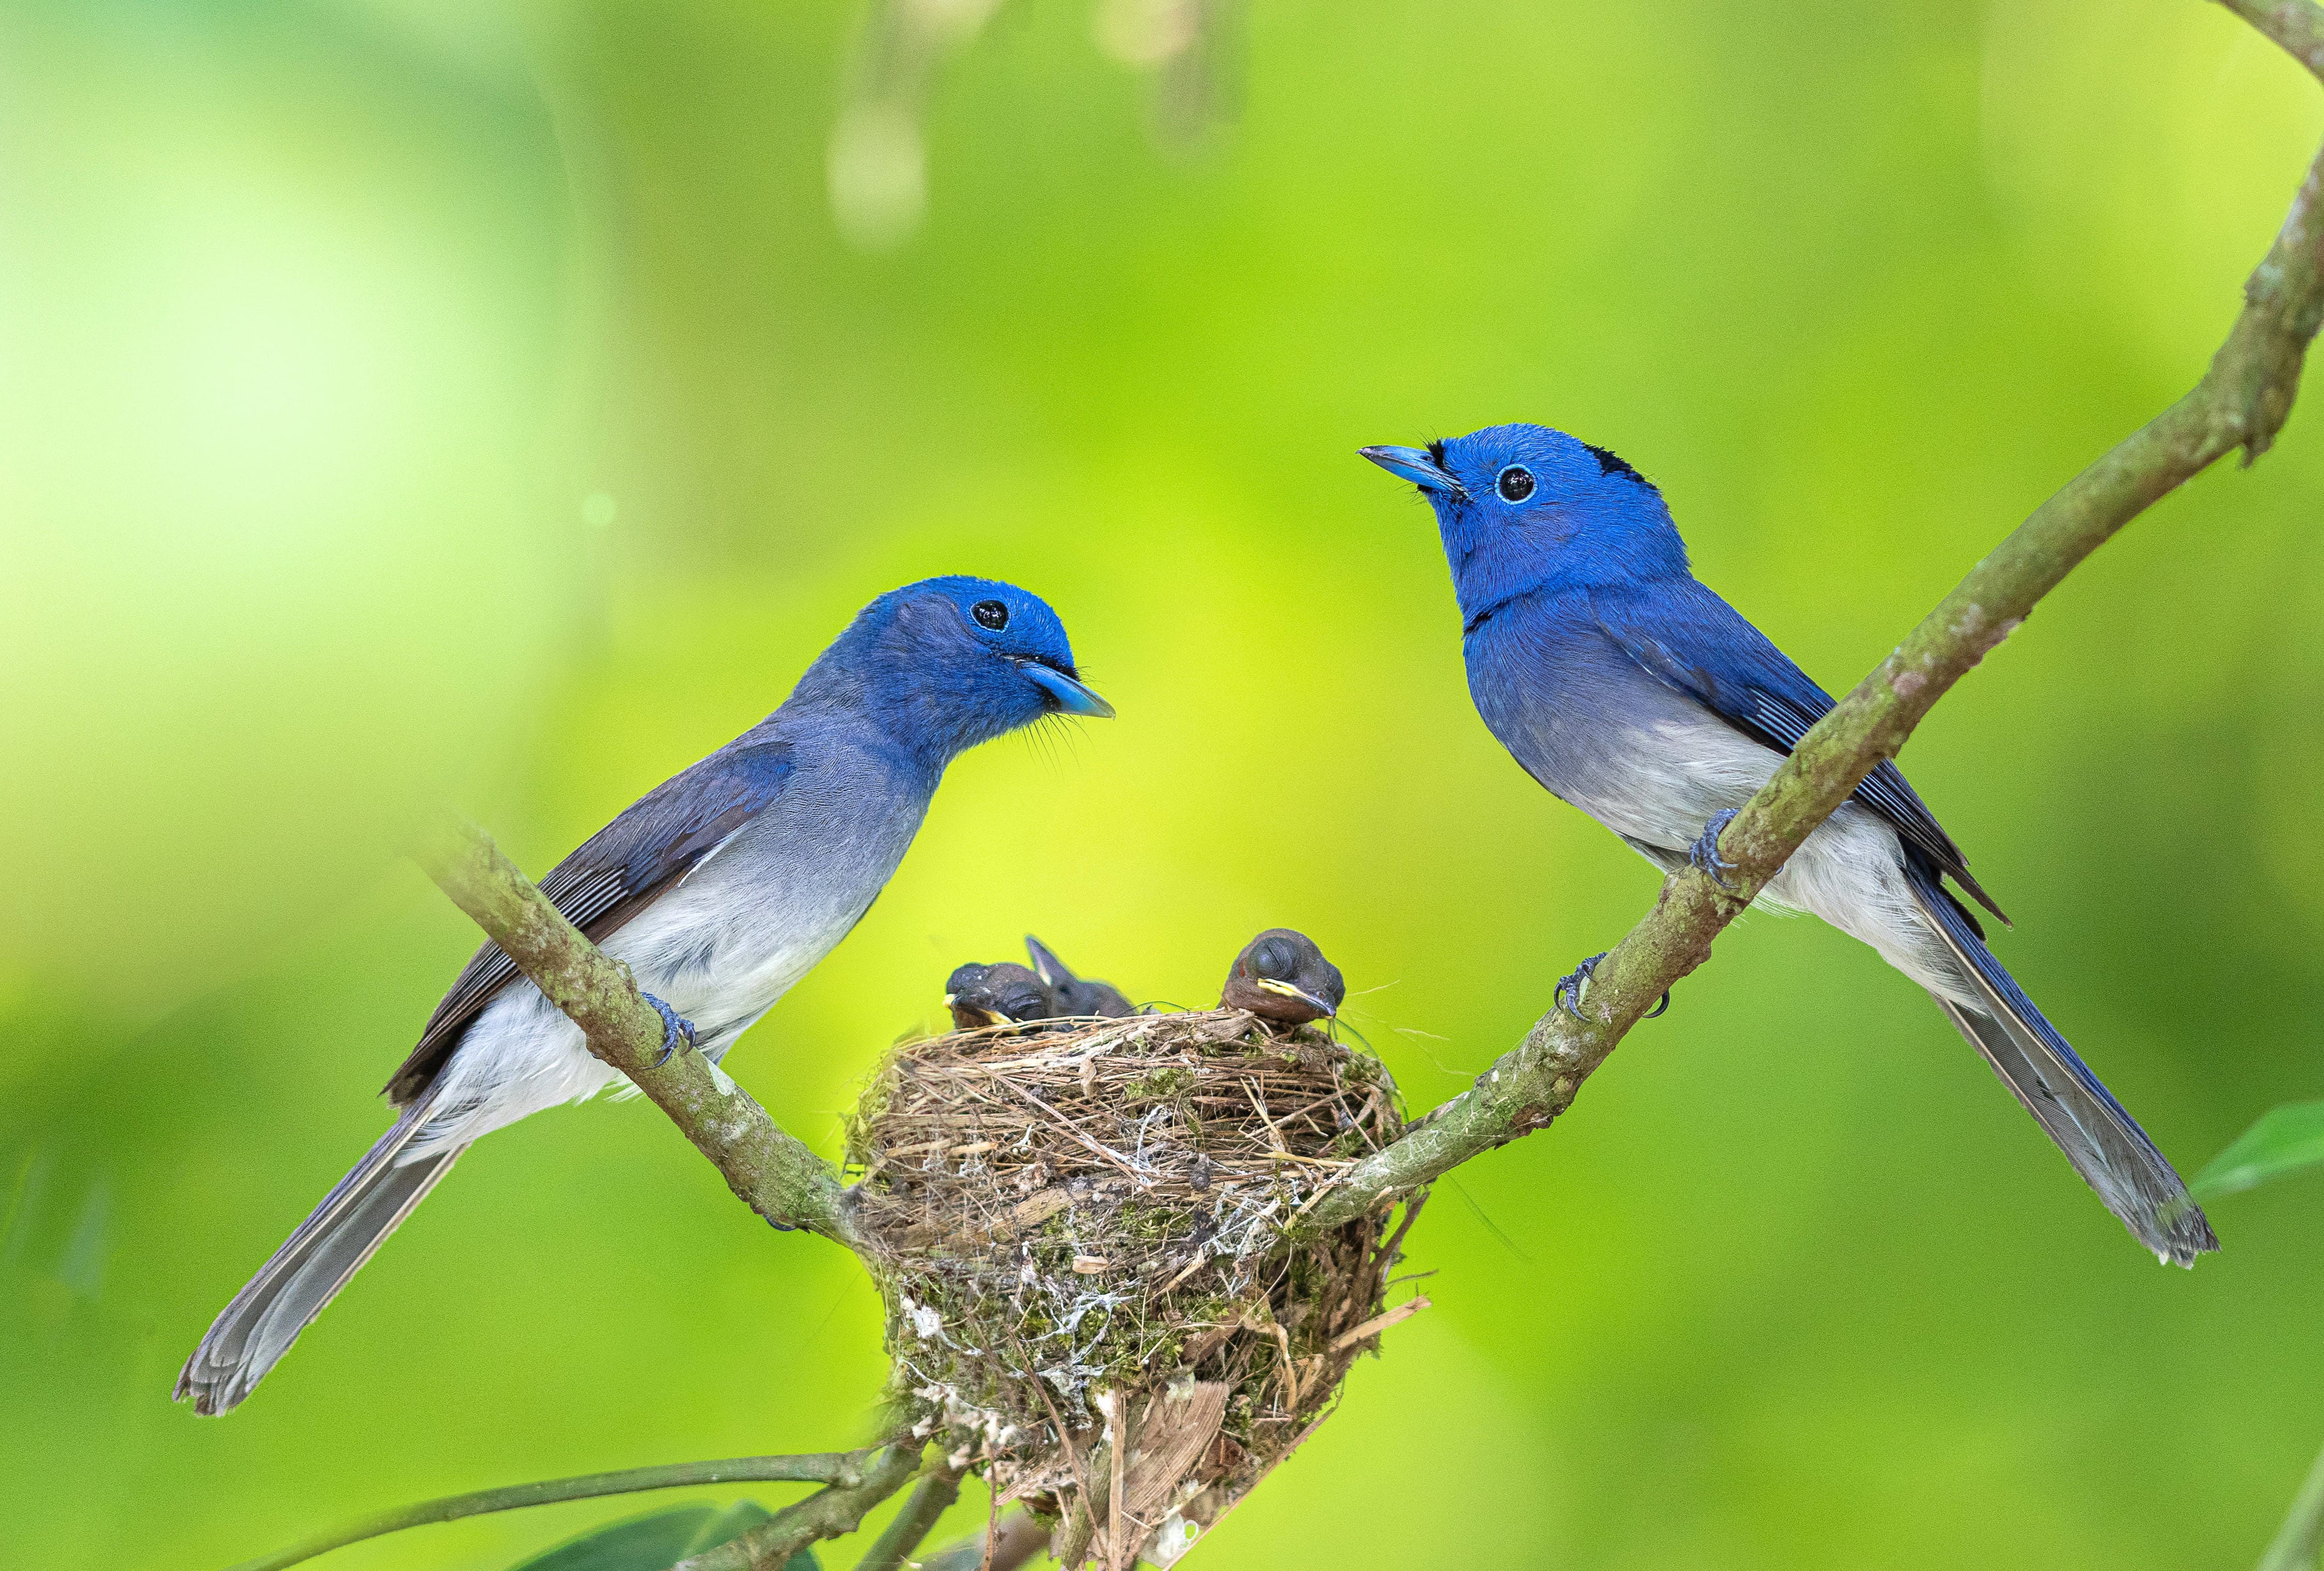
719 888
1629 690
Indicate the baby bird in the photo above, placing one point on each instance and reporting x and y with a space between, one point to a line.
983 995
1281 975
1070 995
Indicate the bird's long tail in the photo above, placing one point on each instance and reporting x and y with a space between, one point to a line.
2102 1141
257 1328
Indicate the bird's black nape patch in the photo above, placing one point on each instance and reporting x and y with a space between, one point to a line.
1611 463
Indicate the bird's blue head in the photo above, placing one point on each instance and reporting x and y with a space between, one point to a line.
1523 507
947 663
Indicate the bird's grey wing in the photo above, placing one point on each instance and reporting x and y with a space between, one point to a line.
617 873
1691 640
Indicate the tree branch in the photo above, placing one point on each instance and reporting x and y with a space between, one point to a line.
931 1498
839 1469
2241 401
1019 1537
771 1171
827 1513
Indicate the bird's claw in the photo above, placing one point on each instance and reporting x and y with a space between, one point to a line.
676 1030
1704 854
1571 985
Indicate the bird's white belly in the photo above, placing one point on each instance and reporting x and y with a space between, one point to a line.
1671 777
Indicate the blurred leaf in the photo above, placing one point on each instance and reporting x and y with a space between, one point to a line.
2285 1140
735 1521
730 1523
655 1540
652 1542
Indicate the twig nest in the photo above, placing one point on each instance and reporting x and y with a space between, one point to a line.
1084 1227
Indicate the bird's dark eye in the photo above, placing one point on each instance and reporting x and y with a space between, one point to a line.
993 614
1515 483
1274 961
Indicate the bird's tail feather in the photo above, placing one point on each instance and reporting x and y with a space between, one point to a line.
2102 1141
257 1329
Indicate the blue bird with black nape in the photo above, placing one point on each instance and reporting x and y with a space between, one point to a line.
719 889
1626 687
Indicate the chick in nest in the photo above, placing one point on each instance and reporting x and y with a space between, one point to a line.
983 995
1281 975
1074 996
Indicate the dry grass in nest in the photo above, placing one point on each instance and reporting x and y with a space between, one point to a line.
1076 1219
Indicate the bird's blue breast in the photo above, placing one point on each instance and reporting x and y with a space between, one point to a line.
1584 720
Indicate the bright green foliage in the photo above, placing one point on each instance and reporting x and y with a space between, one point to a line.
2285 1141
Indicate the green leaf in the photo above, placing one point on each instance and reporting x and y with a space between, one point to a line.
2285 1140
659 1539
653 1542
730 1523
739 1519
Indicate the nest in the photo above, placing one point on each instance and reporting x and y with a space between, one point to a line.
1085 1227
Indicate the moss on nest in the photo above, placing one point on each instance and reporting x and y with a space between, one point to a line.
1069 1220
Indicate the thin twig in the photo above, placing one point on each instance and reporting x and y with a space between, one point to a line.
1323 1189
1201 1258
1379 1323
1018 1538
1386 1254
1073 1129
1117 1412
931 1498
826 1467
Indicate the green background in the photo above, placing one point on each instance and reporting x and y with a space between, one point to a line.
425 402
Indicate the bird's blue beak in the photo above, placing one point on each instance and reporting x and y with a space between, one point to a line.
1415 465
1072 697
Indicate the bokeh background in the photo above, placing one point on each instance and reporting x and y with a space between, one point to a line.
426 401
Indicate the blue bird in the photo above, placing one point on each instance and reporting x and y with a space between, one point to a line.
1629 690
719 888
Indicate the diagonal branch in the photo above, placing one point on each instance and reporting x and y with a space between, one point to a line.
838 1469
1013 1542
894 1549
2241 401
772 1173
830 1512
